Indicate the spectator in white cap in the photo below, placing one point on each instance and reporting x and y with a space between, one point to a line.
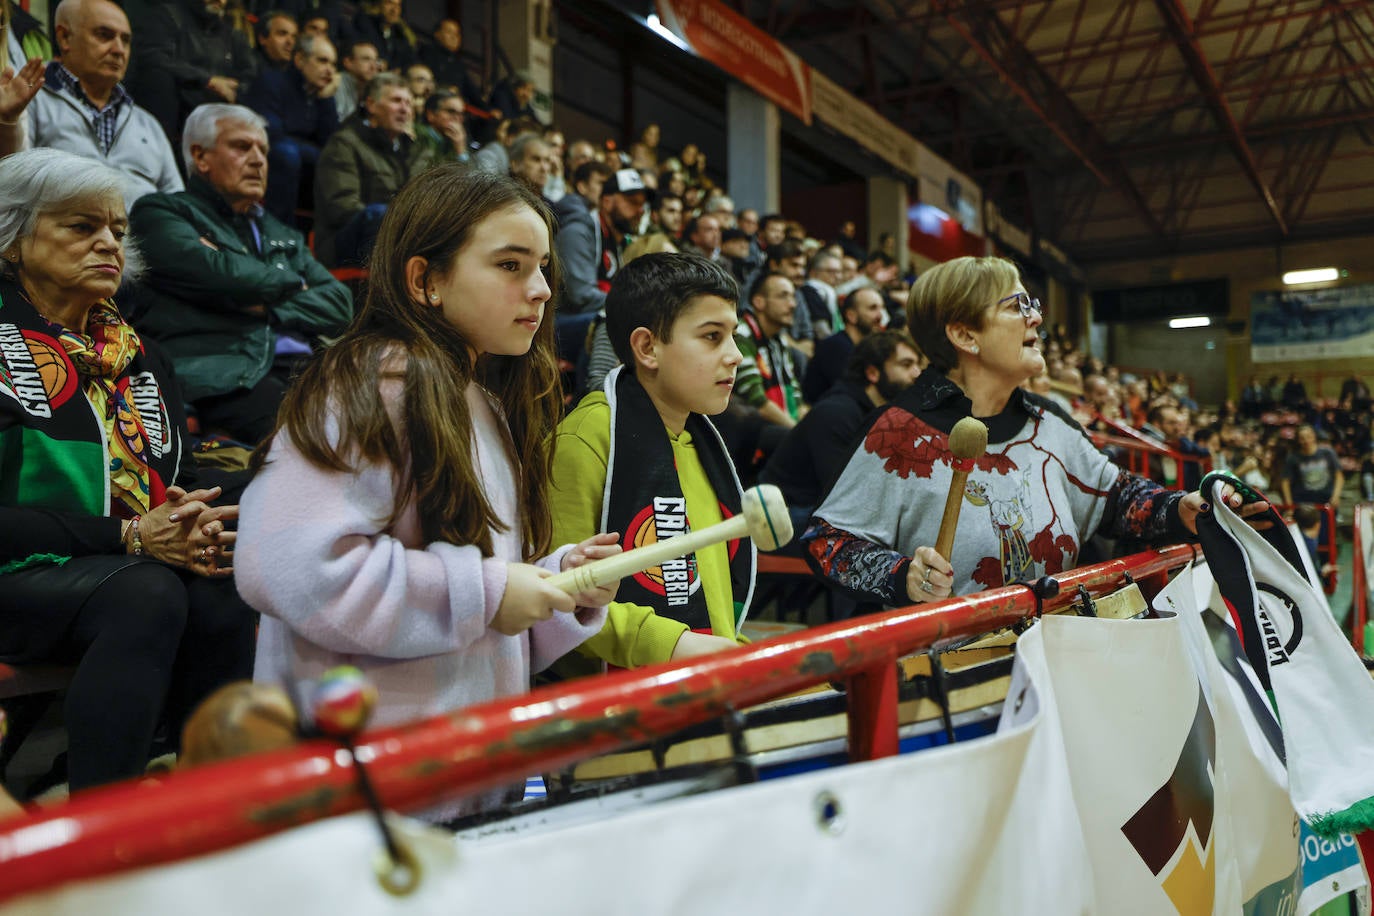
589 246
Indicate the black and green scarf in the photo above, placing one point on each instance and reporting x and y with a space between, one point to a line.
643 501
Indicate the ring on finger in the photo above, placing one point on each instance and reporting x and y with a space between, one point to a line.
927 587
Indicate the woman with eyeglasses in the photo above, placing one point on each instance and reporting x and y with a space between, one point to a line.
1040 490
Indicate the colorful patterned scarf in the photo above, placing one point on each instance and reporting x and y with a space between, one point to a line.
101 355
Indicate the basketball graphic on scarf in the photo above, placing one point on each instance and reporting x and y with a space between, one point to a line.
51 363
645 533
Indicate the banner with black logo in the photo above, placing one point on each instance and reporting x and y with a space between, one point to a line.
1320 691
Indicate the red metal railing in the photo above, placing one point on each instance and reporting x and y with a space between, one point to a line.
1139 448
212 808
1359 577
1133 455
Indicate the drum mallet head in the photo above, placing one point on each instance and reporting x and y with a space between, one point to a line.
968 439
765 512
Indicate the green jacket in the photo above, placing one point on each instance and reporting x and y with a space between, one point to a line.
359 166
213 302
440 147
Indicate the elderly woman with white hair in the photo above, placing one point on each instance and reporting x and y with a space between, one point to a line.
1029 503
107 560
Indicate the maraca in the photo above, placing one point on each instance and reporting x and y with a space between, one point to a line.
343 702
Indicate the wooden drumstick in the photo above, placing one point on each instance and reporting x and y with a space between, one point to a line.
763 518
968 440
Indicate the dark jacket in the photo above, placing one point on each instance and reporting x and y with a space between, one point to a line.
359 166
813 452
397 49
827 366
451 72
214 302
503 99
281 98
178 39
570 207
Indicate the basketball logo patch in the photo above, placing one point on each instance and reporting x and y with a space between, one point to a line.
36 370
677 579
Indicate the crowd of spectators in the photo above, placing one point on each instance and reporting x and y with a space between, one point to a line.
1274 438
354 101
298 126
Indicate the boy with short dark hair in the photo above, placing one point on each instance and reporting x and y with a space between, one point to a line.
641 458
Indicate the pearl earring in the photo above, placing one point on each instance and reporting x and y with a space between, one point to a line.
433 297
974 349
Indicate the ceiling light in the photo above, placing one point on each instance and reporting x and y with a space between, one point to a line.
1197 321
657 25
1319 275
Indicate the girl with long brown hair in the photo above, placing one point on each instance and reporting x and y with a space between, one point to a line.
403 498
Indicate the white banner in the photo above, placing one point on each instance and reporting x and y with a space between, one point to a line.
1141 742
987 826
1321 692
1291 325
1283 867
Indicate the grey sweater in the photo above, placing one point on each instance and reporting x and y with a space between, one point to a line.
1039 492
56 118
581 253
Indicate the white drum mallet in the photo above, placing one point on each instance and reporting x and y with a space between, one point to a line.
763 518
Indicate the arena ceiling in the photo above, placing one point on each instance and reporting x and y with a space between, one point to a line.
1122 128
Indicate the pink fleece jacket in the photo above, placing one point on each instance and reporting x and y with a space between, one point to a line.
337 587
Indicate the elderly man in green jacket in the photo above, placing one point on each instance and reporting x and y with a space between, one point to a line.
234 295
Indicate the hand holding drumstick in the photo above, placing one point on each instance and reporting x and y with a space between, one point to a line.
930 576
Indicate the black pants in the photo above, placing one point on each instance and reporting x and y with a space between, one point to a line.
149 642
248 414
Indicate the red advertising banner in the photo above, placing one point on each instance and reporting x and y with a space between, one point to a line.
731 42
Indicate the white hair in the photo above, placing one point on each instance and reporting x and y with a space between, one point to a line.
383 83
36 182
203 127
306 43
720 203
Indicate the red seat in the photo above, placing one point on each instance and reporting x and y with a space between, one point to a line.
23 680
349 274
773 564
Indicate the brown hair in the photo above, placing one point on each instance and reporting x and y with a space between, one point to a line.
955 292
434 217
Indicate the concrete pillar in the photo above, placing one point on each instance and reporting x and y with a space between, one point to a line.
887 206
754 150
525 32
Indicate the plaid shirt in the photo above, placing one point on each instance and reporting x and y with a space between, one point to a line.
102 119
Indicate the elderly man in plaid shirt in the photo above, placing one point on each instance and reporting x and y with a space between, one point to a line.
83 107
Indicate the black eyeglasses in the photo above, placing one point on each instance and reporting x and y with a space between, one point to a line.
1025 303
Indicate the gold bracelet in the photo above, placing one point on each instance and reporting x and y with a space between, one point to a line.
135 542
